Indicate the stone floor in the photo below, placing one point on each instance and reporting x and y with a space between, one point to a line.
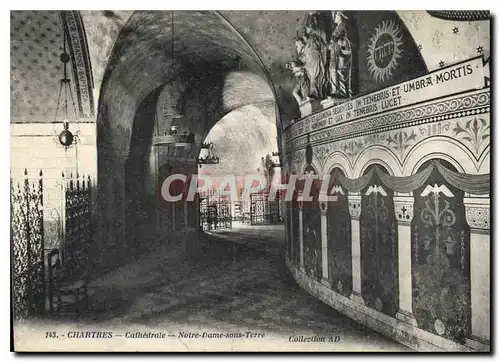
238 283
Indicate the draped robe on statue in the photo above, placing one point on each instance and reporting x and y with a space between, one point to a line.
340 63
314 57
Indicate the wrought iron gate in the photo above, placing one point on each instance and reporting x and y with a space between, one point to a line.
27 245
77 223
29 269
263 211
215 210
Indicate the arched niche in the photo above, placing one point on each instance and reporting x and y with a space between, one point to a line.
444 148
339 160
311 229
379 246
377 155
339 237
295 226
441 258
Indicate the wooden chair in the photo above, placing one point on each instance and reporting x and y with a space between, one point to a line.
67 296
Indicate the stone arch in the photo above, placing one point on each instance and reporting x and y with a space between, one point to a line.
138 68
338 159
310 167
446 148
377 155
484 166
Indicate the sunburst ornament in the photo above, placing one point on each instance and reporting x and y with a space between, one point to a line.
384 50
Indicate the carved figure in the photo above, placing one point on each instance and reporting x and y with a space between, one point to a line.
315 23
269 163
340 68
315 64
302 86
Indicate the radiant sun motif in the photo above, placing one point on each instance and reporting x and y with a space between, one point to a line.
385 50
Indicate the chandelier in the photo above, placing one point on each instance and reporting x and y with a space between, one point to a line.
65 138
210 157
174 136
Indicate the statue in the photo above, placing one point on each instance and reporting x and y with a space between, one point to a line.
325 62
340 68
269 163
315 64
315 22
302 86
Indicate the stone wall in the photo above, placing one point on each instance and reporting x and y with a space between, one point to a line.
35 147
413 265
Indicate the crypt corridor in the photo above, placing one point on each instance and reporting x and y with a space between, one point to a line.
393 106
238 283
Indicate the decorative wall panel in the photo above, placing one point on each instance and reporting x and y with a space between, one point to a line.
295 231
312 232
379 248
339 239
440 259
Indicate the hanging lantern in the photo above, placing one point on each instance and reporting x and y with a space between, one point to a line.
66 138
173 138
210 157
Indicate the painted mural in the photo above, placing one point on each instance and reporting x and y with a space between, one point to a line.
440 258
288 226
379 247
312 231
339 238
295 234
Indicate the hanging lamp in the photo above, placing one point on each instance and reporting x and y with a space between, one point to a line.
65 138
210 157
174 136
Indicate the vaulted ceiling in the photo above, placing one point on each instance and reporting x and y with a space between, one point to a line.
132 53
36 45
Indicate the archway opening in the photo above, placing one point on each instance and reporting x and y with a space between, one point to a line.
165 72
244 144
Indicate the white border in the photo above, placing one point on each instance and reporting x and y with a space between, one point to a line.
184 5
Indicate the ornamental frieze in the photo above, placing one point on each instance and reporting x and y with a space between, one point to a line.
456 79
473 132
474 103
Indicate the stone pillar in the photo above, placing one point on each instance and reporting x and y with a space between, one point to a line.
477 212
197 206
284 211
403 208
323 206
301 233
355 212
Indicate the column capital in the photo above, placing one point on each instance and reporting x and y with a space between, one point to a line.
477 213
354 204
323 207
300 201
403 208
